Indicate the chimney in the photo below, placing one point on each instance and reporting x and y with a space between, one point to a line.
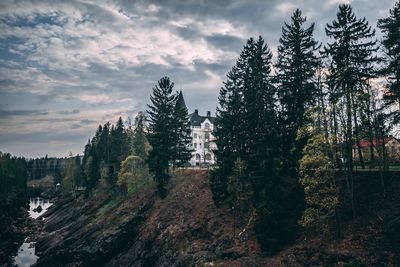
209 114
196 111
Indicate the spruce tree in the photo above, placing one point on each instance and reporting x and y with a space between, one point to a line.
118 148
296 69
245 132
140 144
390 27
161 130
86 155
182 135
351 66
103 144
228 128
261 150
260 114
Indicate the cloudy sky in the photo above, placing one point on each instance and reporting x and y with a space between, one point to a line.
66 66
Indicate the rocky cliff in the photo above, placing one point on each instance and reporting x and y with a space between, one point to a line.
186 229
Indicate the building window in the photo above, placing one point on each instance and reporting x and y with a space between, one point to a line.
207 125
198 157
195 145
208 157
195 135
207 136
199 145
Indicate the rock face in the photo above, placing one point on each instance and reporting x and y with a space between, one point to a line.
182 229
38 209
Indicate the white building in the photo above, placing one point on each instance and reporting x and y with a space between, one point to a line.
203 143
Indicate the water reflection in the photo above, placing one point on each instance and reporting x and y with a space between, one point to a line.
26 253
38 206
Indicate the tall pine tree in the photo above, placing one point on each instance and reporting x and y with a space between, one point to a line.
245 132
390 27
296 70
228 131
352 58
118 149
161 130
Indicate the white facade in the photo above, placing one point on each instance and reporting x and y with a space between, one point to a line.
203 143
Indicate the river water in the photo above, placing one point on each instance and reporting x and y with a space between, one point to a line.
26 252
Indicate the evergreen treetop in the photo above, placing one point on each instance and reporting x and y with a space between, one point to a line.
390 27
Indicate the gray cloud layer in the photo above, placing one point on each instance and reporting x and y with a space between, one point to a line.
66 66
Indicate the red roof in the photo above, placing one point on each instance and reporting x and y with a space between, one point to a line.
367 143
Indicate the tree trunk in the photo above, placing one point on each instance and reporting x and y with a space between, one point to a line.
370 134
384 165
338 224
356 132
348 148
360 155
371 143
335 132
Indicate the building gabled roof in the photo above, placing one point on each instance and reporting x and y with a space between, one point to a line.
375 141
180 101
197 120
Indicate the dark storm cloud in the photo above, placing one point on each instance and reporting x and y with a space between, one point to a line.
75 64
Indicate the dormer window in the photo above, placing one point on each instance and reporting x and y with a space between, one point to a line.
207 125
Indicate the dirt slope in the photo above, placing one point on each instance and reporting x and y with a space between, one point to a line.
184 229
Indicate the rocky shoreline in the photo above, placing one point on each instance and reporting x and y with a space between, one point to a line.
22 229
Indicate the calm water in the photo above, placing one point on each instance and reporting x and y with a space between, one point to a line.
26 255
34 203
26 252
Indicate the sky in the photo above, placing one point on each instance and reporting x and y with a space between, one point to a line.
68 66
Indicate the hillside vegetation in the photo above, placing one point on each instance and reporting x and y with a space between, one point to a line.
186 228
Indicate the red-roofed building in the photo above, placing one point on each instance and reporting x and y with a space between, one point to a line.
392 148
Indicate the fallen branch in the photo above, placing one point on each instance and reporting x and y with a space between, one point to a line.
248 223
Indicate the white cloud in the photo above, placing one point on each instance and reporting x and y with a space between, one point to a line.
285 8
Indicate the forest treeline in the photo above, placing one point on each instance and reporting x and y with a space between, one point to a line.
124 154
38 168
283 135
104 152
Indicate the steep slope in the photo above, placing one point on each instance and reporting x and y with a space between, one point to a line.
186 229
